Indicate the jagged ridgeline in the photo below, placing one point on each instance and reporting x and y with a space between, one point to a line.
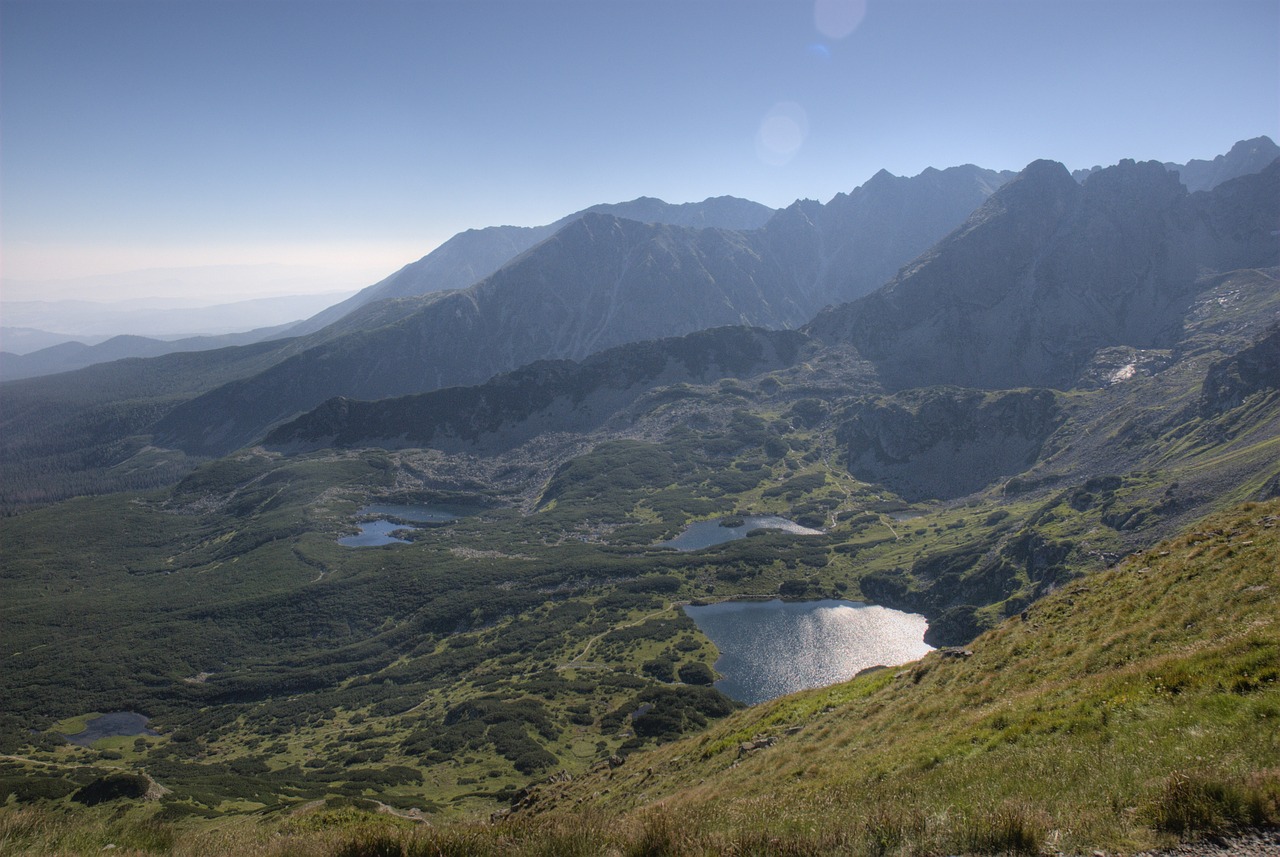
972 413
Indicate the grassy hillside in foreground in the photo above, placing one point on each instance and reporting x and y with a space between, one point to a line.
1132 703
1131 707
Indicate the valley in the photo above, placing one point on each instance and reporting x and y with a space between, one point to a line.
1052 438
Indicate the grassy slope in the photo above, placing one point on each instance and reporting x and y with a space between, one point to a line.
1133 706
1134 701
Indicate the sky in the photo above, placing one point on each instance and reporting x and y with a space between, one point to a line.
350 138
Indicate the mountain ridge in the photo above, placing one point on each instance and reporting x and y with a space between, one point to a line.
474 254
1033 296
776 276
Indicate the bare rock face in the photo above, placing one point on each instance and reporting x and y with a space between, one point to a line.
943 443
1047 272
1245 157
1252 370
858 241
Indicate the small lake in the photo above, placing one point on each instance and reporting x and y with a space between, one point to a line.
772 648
704 534
114 725
417 514
378 531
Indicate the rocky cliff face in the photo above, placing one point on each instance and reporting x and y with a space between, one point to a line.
1245 157
856 242
1048 271
944 443
1231 381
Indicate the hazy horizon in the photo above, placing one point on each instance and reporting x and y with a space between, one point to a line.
353 138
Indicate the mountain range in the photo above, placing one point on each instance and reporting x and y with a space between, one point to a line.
1049 271
1049 428
598 280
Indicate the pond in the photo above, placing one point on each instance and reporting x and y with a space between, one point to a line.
417 514
704 534
772 648
114 725
379 531
374 533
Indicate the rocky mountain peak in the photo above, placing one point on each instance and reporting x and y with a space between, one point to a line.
1135 184
1047 271
1244 158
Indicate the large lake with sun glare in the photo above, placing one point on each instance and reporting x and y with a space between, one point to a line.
772 648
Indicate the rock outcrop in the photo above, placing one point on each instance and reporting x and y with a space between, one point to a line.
943 443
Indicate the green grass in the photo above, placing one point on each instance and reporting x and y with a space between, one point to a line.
1131 708
1132 705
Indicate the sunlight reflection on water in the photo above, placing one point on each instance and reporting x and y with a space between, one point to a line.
768 649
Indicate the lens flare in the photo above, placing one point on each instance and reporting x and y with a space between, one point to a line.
837 19
820 52
782 132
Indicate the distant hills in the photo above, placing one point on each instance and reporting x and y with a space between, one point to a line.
137 328
69 356
598 282
470 256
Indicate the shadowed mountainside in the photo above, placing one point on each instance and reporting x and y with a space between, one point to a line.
546 396
599 282
470 256
1046 272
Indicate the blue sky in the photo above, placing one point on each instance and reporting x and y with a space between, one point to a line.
359 135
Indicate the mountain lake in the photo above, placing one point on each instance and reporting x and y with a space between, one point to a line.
704 534
379 530
113 725
772 648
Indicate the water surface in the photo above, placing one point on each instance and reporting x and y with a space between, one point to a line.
417 514
772 648
116 724
374 533
378 532
703 534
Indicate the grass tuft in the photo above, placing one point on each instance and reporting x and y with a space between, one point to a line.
372 845
1007 829
1199 804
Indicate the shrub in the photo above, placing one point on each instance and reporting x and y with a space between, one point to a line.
112 787
663 669
793 588
697 673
